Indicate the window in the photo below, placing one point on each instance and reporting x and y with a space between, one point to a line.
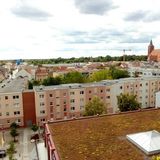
71 93
90 91
81 99
65 109
64 94
107 90
8 121
41 103
7 113
18 121
42 112
81 107
43 120
121 87
108 97
51 109
6 97
72 108
64 102
16 105
16 112
51 103
81 92
16 97
72 100
90 99
0 114
101 90
50 95
146 84
141 85
41 96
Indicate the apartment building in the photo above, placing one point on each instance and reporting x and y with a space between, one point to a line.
11 102
49 103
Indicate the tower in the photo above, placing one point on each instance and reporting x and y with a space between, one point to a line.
150 48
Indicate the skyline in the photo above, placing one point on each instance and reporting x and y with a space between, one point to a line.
74 28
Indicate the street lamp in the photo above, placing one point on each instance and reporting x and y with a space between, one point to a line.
35 142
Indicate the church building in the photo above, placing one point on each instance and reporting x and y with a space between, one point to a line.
153 54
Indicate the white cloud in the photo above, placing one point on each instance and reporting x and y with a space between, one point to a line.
48 29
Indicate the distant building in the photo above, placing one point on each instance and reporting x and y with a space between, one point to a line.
153 54
41 73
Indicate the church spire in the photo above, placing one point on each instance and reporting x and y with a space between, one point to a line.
150 49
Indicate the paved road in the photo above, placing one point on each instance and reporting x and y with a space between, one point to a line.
25 149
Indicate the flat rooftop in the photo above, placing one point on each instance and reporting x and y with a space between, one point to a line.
13 85
103 138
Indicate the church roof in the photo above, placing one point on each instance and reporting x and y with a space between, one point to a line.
149 141
155 52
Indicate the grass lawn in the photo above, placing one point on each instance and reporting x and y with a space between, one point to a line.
103 138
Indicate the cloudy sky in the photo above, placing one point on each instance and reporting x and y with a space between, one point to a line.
75 28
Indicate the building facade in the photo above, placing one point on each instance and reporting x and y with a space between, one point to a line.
49 103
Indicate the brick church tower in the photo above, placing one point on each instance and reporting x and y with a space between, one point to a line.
150 48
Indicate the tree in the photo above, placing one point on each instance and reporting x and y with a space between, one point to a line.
30 85
94 107
52 81
14 125
127 102
11 150
34 128
100 75
118 73
14 133
73 77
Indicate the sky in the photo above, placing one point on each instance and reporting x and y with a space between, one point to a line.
34 29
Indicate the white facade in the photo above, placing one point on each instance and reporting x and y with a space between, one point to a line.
157 105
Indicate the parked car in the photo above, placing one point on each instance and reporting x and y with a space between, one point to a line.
2 153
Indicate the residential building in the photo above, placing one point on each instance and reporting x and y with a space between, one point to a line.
11 102
50 103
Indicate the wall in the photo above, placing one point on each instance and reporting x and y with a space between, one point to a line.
29 108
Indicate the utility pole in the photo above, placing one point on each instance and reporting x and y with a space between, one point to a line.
124 50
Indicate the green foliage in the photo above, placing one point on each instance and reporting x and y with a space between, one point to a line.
107 58
52 81
94 107
73 77
14 133
34 128
30 85
33 83
118 73
14 125
127 102
100 75
11 150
